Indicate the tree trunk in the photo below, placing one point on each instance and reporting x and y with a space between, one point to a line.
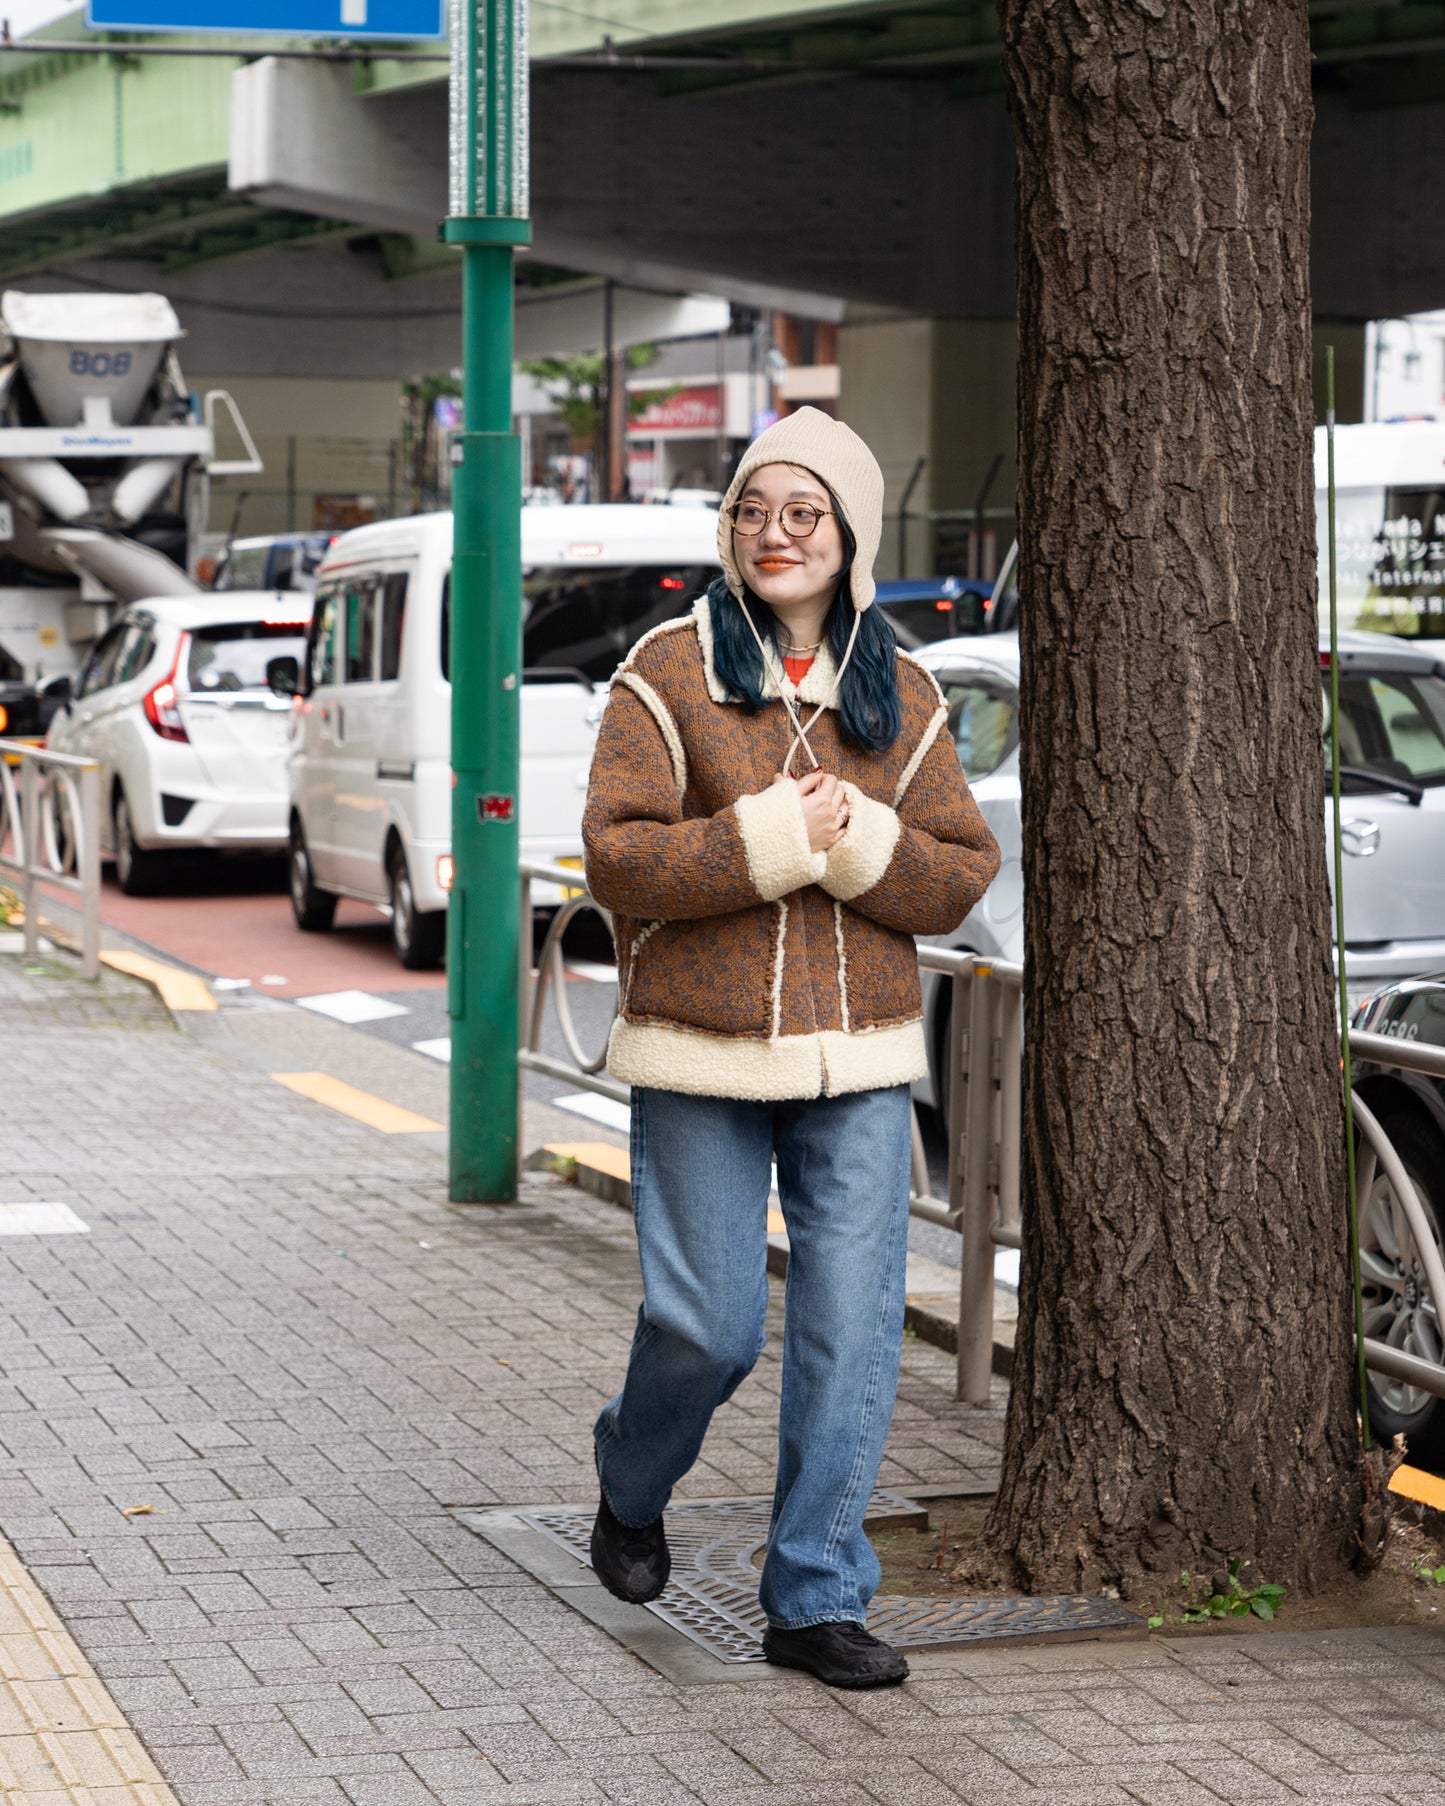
1182 1386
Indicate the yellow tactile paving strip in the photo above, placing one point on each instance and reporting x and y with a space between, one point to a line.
63 1741
391 1119
179 990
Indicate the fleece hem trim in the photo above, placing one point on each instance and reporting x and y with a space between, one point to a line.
775 841
829 1062
862 856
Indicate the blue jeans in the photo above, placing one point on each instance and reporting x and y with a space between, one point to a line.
700 1184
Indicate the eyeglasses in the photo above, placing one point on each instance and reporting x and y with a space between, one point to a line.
798 519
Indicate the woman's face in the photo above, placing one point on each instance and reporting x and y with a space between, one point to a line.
785 572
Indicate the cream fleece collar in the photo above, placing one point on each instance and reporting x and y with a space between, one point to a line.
816 686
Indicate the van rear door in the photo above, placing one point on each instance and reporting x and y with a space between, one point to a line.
313 739
360 701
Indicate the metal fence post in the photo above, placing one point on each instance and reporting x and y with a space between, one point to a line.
524 992
973 1088
29 852
87 869
1010 1106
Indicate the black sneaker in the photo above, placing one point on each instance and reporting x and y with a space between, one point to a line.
842 1654
632 1564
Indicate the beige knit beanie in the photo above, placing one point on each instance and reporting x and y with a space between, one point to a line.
834 453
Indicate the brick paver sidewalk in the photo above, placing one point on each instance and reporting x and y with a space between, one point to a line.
280 1339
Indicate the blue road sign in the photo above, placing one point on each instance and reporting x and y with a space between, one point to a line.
288 18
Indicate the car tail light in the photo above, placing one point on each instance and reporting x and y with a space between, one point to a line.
943 607
445 871
674 583
162 705
1324 661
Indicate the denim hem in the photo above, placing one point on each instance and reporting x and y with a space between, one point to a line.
618 1515
822 1618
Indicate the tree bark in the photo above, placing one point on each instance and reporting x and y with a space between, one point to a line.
1182 1387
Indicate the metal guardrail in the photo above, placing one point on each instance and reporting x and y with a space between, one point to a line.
50 835
985 1128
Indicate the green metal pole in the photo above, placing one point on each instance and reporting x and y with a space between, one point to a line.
488 170
1351 1199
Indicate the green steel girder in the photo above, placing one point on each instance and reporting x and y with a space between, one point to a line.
174 226
241 233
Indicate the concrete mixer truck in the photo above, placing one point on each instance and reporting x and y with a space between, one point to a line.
106 460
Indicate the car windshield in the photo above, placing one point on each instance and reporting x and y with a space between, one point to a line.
983 717
234 656
588 619
242 567
1391 722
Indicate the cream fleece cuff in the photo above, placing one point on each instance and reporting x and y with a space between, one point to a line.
860 858
775 840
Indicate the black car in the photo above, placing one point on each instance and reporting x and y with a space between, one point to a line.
926 609
1410 1107
26 709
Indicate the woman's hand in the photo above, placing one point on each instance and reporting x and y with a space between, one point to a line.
825 809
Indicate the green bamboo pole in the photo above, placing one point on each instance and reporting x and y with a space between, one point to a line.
488 219
1350 1187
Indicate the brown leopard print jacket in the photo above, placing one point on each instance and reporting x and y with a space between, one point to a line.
750 966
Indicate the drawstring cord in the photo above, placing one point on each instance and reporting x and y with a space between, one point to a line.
800 732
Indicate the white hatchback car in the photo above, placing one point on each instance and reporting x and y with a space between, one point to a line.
174 704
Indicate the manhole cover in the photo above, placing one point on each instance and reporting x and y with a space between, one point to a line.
712 1596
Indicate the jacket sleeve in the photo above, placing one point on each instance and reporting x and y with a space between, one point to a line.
921 867
644 858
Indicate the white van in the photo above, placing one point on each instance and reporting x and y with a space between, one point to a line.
370 754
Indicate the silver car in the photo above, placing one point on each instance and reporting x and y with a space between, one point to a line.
1392 753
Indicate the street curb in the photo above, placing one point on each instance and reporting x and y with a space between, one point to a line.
604 1171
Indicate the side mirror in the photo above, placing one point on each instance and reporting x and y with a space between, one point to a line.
56 692
283 675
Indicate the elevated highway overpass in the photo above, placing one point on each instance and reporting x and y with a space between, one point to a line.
851 159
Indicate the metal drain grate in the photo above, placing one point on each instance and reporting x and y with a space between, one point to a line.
712 1596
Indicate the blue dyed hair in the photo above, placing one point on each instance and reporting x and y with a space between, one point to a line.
867 700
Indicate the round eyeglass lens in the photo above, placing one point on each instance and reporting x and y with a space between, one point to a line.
799 520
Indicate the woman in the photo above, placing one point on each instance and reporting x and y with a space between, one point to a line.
776 809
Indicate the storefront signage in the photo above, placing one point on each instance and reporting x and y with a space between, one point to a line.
681 411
